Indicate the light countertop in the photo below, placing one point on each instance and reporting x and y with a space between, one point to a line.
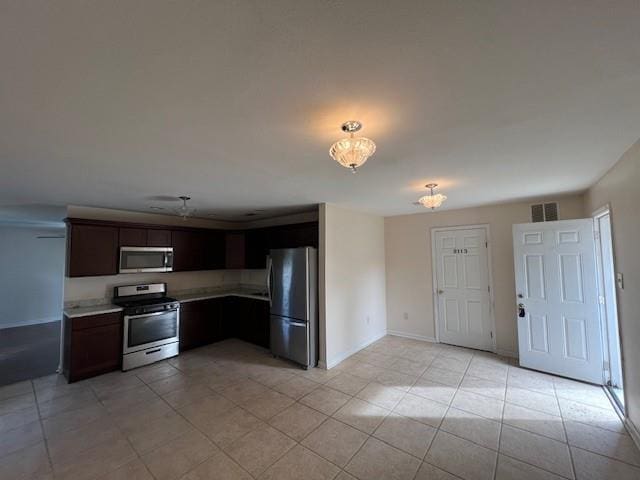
253 293
92 310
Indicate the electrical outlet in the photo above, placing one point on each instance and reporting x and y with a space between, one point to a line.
405 315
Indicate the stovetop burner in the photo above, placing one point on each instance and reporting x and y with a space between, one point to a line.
143 298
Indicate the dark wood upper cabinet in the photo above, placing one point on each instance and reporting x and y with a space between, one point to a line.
234 250
214 250
93 245
158 238
144 237
188 250
133 237
293 236
256 248
93 250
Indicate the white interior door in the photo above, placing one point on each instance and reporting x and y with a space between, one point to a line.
462 288
558 324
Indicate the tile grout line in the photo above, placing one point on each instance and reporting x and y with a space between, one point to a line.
495 468
389 412
138 457
44 436
175 410
438 429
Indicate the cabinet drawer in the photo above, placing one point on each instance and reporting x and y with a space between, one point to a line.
93 321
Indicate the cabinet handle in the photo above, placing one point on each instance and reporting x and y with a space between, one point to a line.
153 351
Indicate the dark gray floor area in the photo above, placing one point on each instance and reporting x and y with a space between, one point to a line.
29 352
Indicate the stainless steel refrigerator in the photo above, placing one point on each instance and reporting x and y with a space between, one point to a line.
292 278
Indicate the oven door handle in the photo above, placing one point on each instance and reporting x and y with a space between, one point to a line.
154 314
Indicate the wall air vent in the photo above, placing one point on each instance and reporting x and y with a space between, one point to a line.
544 212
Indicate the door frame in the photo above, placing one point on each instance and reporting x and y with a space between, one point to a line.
604 326
434 279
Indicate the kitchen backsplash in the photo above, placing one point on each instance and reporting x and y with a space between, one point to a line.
98 290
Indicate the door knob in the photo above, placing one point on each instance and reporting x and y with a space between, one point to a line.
440 292
521 311
520 295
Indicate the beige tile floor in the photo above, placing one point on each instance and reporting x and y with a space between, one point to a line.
399 409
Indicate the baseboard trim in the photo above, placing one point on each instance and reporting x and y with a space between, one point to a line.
633 431
506 353
344 355
412 336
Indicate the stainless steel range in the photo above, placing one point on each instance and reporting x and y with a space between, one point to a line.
151 324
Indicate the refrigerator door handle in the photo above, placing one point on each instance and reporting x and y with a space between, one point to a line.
297 324
269 275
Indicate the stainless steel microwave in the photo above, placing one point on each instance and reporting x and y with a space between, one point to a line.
146 259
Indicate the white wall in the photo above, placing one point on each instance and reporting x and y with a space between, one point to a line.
32 276
352 282
408 264
620 188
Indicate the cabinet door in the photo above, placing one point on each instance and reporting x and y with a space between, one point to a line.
251 318
214 318
305 235
158 238
94 351
92 250
294 235
235 250
228 325
199 324
257 248
188 250
133 237
214 250
260 323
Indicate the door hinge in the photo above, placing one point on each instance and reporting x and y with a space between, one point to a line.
489 288
596 234
491 333
601 299
486 244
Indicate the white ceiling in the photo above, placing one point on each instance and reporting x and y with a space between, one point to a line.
120 104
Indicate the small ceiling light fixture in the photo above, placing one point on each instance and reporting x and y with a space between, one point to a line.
352 152
184 211
432 200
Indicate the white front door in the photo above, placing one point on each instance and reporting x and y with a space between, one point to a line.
462 287
558 322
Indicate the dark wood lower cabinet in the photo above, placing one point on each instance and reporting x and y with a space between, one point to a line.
92 345
200 323
207 321
256 318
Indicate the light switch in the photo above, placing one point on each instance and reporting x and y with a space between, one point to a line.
620 280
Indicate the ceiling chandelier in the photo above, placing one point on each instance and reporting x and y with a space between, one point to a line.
184 210
432 200
352 152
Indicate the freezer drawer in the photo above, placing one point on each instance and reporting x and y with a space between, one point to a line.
290 339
